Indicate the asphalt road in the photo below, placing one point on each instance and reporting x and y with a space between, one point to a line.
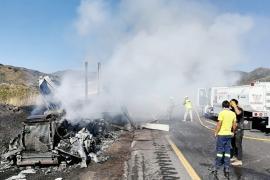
197 143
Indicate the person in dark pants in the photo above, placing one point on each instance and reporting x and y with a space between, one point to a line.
226 123
236 151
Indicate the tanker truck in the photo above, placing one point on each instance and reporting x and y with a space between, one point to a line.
253 98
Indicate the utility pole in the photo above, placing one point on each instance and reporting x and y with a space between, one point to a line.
86 80
98 78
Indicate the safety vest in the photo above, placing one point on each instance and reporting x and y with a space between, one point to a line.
188 104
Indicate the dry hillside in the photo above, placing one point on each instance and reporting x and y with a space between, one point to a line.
259 74
18 86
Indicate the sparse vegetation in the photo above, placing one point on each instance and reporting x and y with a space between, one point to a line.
18 86
259 74
17 94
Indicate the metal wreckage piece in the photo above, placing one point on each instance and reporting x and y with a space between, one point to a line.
79 146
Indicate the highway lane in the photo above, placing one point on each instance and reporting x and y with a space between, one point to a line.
197 143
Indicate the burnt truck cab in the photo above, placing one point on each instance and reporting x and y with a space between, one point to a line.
38 141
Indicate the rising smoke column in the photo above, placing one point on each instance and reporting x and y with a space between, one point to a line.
156 49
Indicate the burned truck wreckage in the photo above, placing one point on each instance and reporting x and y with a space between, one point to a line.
46 141
50 139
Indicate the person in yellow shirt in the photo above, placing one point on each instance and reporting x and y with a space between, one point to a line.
188 107
225 129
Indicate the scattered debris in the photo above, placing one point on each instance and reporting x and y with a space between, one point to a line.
62 166
22 174
94 157
28 171
78 146
5 165
59 179
11 108
162 127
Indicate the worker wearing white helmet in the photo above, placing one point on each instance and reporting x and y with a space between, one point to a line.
188 106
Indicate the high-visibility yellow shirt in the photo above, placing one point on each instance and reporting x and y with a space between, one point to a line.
226 117
188 104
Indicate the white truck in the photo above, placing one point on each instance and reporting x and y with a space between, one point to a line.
253 98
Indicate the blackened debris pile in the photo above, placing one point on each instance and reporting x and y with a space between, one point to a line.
50 140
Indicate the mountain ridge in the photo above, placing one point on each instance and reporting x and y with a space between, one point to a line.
18 84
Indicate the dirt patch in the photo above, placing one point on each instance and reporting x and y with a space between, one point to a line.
11 118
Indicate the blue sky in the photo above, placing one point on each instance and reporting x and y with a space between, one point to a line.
37 34
40 34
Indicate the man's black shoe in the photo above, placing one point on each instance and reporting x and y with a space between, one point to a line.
227 174
214 172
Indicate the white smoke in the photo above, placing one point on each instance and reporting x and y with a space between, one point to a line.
156 49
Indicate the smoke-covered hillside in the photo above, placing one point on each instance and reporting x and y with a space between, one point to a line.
18 84
259 74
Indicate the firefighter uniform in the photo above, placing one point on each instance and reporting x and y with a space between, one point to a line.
188 106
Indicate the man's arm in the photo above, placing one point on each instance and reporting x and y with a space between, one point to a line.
218 127
234 126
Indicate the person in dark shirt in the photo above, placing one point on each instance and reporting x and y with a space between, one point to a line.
237 151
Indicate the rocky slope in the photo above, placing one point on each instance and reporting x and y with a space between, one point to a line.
19 76
259 74
18 86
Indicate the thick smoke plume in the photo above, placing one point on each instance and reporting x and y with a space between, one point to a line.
157 49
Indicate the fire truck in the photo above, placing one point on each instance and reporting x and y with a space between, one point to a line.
253 98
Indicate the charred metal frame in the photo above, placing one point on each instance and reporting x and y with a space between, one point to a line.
32 155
